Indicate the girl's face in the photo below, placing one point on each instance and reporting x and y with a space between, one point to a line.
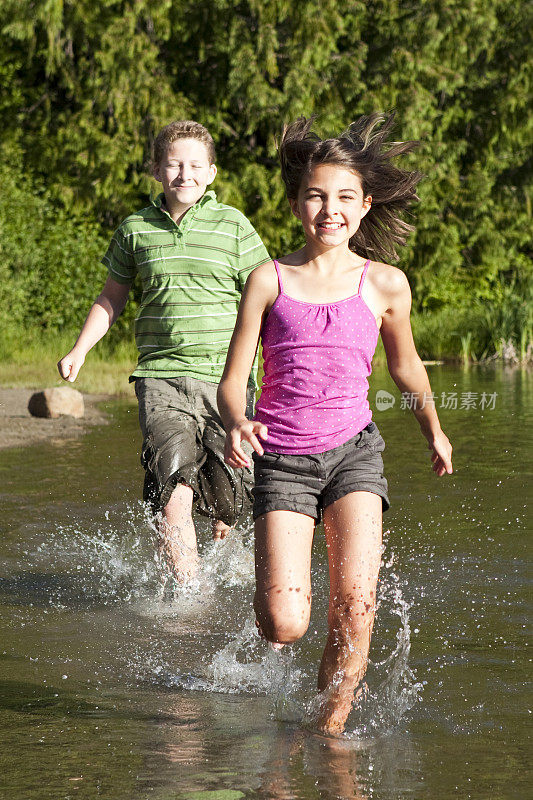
330 204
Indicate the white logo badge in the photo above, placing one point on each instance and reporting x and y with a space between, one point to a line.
384 400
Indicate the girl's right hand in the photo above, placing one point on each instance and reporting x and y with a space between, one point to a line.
247 431
70 365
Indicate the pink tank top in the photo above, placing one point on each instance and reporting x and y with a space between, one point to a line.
317 359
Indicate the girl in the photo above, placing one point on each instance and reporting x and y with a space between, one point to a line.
319 312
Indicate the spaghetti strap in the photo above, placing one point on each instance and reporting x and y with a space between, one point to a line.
363 276
279 277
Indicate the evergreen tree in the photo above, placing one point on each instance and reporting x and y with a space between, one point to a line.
86 86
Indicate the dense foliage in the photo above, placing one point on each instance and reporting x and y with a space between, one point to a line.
86 85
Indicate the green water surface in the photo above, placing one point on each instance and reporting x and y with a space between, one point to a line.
109 689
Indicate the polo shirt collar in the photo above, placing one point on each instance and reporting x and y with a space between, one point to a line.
207 197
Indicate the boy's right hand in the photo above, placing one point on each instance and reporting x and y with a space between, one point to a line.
248 431
70 365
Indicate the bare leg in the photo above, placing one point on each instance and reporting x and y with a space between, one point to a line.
282 600
353 535
177 536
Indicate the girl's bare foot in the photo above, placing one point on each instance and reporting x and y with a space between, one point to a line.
332 718
334 709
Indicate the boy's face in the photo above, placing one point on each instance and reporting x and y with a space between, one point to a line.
185 173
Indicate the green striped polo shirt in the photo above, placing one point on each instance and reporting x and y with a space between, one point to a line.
192 276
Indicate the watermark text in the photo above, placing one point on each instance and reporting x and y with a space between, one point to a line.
455 401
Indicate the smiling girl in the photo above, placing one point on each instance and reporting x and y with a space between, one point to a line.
317 453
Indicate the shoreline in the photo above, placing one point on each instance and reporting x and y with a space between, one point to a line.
19 429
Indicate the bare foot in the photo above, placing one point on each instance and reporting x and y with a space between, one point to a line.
331 719
181 561
334 710
220 529
273 645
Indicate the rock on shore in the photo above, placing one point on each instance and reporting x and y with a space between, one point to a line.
19 429
57 402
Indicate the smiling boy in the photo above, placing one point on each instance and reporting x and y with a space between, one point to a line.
193 255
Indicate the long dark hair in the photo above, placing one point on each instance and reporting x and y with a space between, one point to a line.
364 149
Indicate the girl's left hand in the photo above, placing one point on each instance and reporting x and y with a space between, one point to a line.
442 454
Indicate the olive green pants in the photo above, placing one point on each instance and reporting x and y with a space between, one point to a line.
184 443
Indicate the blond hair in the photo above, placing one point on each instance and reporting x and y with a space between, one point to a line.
181 129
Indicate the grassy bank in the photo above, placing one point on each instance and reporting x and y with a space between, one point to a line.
476 334
30 361
468 335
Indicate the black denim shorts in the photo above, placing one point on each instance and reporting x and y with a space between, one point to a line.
184 443
307 484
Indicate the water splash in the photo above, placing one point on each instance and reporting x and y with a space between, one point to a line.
391 688
110 564
399 690
229 562
225 564
244 664
118 562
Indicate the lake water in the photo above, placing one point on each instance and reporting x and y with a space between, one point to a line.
112 689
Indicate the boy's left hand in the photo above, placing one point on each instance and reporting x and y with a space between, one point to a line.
442 454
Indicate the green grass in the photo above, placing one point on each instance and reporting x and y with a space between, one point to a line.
30 361
28 358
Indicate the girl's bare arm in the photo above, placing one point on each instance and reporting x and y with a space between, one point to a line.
406 368
104 311
258 295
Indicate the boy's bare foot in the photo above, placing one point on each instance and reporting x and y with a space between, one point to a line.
181 561
220 529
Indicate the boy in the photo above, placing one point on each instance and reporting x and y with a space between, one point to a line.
193 255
